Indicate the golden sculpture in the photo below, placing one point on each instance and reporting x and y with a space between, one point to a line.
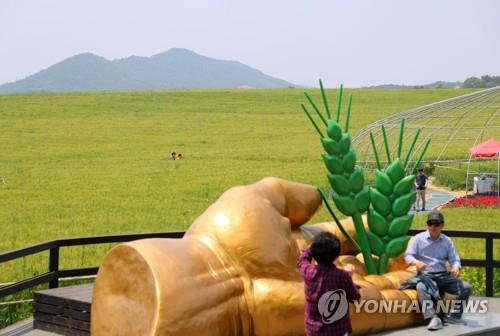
234 272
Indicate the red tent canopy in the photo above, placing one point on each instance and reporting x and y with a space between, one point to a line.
490 148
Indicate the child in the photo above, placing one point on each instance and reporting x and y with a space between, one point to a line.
322 278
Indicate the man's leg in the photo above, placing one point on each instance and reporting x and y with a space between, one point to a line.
423 199
428 312
452 285
463 297
424 298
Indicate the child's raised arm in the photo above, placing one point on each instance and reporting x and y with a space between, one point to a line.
307 270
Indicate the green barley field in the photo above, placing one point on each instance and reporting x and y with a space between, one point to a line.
84 164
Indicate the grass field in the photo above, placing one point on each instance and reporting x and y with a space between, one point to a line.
92 164
86 164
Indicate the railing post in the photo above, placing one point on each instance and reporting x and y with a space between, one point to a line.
54 266
489 267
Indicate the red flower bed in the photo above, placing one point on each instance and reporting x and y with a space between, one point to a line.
476 201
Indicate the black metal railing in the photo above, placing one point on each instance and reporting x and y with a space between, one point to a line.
54 274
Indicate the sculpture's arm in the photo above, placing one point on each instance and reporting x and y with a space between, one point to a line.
234 272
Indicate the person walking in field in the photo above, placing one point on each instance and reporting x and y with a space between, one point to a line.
420 186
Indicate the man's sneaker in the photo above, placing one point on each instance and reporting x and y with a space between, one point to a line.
453 320
435 324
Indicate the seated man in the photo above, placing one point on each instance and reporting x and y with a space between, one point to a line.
429 251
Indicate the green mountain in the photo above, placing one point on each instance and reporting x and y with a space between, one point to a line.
174 69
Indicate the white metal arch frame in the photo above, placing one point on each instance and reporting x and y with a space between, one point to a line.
455 125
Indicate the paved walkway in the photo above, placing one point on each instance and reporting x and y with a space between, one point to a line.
435 198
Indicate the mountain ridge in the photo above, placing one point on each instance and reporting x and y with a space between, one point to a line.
176 68
433 85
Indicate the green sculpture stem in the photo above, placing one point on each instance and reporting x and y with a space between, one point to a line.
312 121
363 242
382 264
411 147
341 228
386 144
400 142
348 117
315 108
339 103
421 156
325 101
375 151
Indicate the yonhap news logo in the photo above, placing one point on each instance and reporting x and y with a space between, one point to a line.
333 306
406 307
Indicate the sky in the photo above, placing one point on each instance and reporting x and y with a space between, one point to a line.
354 42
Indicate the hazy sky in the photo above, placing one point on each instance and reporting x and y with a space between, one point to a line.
352 42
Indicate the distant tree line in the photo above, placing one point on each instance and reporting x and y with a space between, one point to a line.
483 82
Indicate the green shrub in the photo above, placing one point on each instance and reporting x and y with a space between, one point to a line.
451 178
475 276
429 168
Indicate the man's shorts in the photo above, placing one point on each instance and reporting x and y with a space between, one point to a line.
420 191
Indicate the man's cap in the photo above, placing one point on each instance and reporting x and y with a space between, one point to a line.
435 216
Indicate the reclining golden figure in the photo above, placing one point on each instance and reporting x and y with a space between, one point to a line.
234 272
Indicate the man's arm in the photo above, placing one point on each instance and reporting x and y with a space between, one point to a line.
411 254
304 264
454 259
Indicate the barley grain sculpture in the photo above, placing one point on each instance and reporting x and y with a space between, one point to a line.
391 196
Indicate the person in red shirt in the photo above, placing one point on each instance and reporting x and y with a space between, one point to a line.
328 289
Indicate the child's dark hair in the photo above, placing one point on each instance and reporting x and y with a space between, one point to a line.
325 248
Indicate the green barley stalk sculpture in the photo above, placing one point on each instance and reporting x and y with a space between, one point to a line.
346 178
391 197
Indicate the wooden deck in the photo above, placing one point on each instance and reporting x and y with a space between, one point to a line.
66 311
